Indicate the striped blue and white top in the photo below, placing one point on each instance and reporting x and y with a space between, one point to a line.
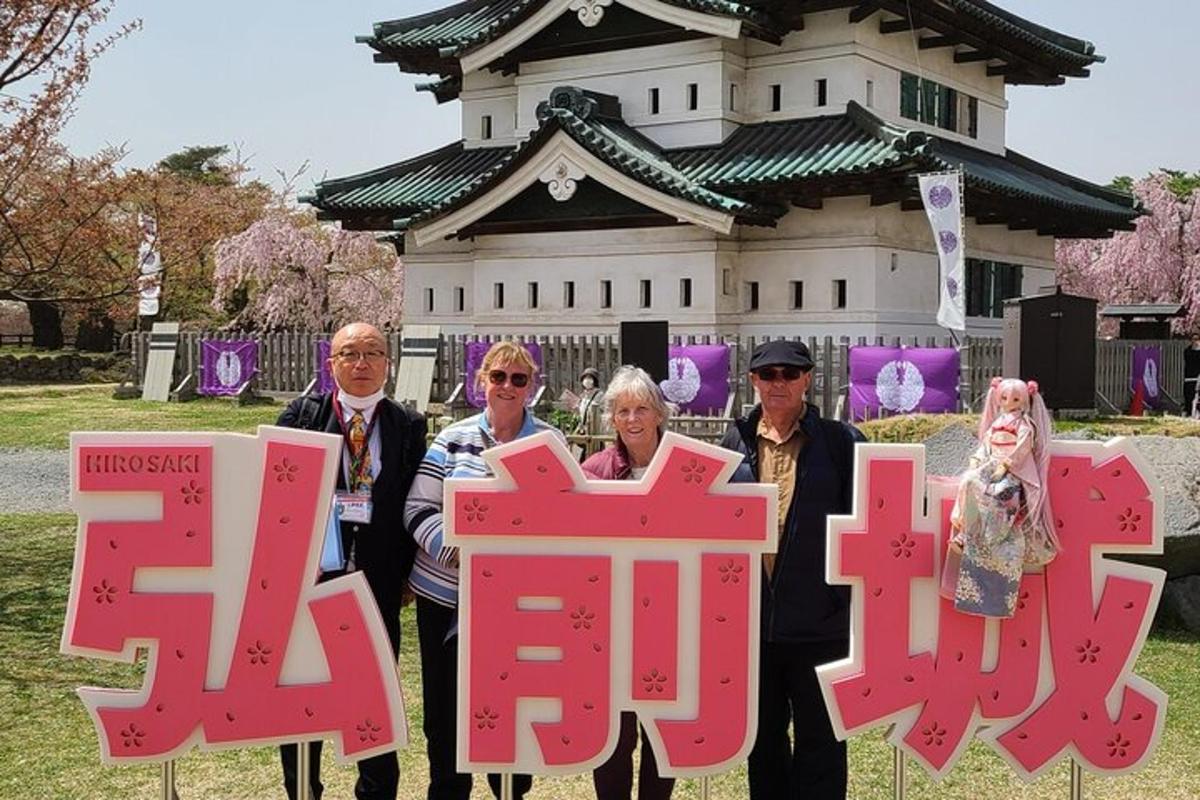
456 452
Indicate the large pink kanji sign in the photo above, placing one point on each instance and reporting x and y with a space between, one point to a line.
203 549
579 599
1054 680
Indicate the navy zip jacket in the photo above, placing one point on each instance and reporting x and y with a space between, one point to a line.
797 604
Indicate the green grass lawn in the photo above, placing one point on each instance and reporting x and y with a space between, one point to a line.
42 418
49 750
919 427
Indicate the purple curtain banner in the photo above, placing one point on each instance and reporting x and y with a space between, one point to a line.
902 380
226 366
475 353
325 384
698 378
1147 370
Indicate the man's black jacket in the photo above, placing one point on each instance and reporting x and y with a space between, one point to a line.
384 550
797 604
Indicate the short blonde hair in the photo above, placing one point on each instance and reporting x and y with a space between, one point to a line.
506 353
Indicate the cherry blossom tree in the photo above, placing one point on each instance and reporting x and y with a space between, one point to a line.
65 238
289 271
46 51
1159 261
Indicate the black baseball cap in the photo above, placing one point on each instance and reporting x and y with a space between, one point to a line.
781 353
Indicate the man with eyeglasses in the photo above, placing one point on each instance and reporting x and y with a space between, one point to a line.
383 445
805 621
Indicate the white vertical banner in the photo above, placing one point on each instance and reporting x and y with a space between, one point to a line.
941 193
149 267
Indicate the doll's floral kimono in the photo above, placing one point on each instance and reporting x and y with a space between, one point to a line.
1000 538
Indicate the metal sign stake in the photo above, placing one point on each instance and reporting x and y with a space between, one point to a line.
897 773
705 788
303 772
168 780
506 786
1076 780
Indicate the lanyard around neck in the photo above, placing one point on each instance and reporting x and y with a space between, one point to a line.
357 461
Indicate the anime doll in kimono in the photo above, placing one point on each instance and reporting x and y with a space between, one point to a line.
1001 524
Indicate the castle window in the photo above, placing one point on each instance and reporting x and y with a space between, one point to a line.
460 298
693 96
533 294
821 92
568 294
931 103
644 294
606 294
497 295
485 127
428 300
751 295
685 292
839 293
653 100
797 293
776 96
989 284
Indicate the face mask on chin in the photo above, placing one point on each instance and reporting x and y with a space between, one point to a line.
589 382
360 403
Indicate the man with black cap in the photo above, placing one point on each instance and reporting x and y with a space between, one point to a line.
805 621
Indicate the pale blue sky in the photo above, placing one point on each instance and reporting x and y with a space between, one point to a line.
285 79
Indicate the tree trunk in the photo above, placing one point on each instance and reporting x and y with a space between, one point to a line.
46 320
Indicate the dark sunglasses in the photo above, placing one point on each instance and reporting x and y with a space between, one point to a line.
518 379
769 374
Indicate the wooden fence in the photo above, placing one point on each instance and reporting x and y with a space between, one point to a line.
287 361
1114 359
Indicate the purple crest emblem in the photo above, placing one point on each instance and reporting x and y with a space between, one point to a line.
948 241
895 380
952 287
940 196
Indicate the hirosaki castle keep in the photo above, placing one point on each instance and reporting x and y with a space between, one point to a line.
733 167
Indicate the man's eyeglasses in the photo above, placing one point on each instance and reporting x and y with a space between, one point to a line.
518 379
354 356
770 374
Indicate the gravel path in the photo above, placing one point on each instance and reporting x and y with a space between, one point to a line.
33 481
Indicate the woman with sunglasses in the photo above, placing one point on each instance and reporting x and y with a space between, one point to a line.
507 377
635 408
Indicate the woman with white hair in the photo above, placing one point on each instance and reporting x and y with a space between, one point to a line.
635 408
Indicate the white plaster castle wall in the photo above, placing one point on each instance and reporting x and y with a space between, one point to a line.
847 240
629 75
491 94
850 55
829 47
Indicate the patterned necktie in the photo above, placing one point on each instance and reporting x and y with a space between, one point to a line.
360 455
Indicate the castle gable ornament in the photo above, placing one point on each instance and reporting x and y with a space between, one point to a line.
562 179
590 12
